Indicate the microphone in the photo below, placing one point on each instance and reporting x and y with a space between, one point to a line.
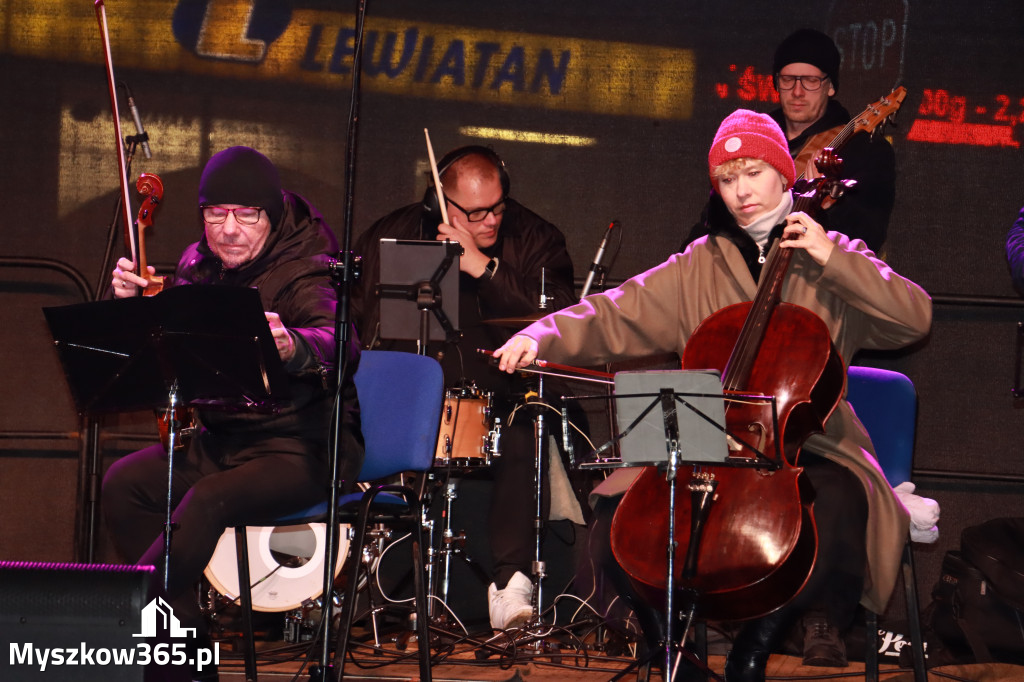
143 137
596 265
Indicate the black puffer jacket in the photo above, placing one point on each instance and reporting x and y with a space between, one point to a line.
292 277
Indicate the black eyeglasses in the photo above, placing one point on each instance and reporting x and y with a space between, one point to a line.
810 83
479 214
244 215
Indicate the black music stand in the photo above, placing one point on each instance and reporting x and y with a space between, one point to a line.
424 272
701 493
190 346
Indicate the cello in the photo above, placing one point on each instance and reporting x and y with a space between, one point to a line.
749 532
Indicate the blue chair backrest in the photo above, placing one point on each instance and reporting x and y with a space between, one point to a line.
886 403
400 398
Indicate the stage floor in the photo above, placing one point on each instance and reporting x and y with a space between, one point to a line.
779 668
549 660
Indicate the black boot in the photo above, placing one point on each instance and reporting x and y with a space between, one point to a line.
755 643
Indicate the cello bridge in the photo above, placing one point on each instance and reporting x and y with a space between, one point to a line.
703 482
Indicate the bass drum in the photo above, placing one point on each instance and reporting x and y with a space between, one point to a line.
286 564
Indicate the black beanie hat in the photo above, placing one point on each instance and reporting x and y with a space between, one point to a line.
241 175
809 47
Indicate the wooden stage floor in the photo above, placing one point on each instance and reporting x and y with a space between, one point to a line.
551 660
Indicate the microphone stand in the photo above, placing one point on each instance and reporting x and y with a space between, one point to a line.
595 267
89 467
324 670
598 257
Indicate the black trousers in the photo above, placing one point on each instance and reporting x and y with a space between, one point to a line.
216 485
513 509
510 519
835 583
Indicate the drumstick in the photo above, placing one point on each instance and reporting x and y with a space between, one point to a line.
437 180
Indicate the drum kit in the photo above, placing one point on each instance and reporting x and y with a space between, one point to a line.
470 434
287 562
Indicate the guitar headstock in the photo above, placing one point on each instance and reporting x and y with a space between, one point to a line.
877 114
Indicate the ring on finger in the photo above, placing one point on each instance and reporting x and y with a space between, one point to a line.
805 229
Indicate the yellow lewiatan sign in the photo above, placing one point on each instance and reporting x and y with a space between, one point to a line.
232 38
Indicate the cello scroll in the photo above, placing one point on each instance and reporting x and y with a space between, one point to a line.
822 191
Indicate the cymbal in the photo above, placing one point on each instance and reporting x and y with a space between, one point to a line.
516 322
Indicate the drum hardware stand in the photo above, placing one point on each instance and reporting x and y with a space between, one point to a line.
372 553
540 437
539 568
540 432
450 544
537 643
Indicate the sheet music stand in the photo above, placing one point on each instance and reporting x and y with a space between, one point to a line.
189 346
427 273
702 495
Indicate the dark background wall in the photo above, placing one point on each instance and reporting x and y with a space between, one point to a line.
645 86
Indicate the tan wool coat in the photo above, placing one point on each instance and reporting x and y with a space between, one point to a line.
863 302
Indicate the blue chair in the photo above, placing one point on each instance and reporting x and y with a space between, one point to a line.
886 403
400 398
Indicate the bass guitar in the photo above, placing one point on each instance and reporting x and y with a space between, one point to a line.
870 121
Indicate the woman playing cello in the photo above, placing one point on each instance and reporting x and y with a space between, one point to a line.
862 303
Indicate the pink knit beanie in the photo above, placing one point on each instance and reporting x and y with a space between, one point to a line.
747 134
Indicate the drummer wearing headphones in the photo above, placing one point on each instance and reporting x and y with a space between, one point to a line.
508 251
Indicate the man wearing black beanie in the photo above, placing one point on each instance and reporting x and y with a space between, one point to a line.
241 468
805 70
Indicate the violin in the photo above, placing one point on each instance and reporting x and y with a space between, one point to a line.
179 419
749 532
152 189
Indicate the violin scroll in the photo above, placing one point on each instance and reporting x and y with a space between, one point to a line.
151 187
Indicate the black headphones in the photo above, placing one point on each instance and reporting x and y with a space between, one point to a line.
431 209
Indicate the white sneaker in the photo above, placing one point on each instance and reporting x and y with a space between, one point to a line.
510 607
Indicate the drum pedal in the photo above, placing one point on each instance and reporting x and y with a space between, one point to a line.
300 625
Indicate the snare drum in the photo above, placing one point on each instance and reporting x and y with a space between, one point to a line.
292 556
467 437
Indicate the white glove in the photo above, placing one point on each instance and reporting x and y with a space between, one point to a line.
924 513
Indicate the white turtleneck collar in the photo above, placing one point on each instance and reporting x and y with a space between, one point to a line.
762 227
